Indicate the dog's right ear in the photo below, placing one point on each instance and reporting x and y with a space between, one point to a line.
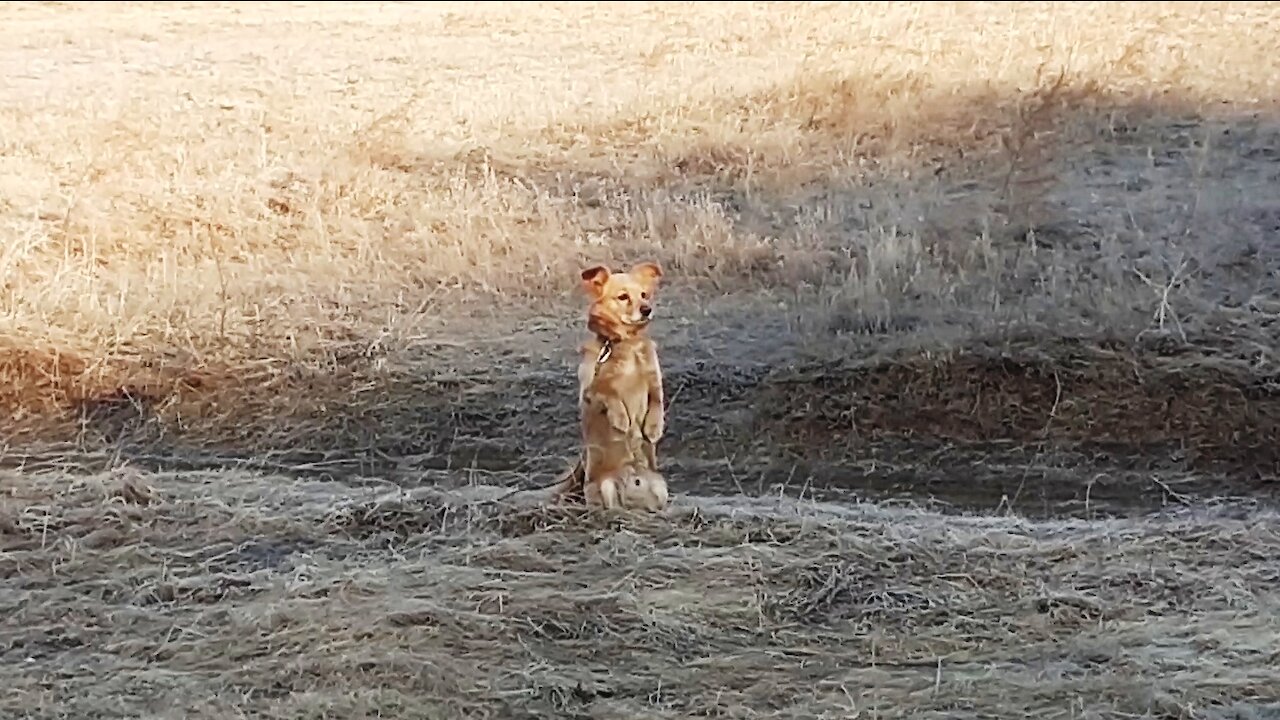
593 280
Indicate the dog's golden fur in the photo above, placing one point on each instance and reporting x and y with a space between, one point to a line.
620 398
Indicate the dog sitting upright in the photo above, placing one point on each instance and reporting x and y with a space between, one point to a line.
620 395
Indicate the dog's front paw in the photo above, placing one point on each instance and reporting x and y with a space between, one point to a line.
654 426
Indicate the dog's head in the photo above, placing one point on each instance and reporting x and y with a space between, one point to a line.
643 489
621 303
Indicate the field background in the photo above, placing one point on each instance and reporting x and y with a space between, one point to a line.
969 328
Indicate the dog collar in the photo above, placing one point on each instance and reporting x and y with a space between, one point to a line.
605 351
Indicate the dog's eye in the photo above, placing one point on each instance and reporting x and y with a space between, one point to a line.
637 481
644 296
624 297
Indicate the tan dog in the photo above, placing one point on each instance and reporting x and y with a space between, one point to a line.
620 395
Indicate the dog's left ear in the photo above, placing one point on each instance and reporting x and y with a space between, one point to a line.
649 272
593 279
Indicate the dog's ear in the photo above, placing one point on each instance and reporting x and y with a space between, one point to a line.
648 272
594 278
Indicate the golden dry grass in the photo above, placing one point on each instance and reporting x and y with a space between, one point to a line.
206 191
258 257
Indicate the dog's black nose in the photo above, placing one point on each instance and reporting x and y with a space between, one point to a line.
645 310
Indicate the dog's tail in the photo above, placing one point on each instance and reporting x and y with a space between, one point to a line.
570 488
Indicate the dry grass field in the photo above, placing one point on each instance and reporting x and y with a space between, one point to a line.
969 328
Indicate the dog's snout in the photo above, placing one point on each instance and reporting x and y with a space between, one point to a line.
646 310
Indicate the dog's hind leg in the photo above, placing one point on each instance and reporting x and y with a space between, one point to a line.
605 494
